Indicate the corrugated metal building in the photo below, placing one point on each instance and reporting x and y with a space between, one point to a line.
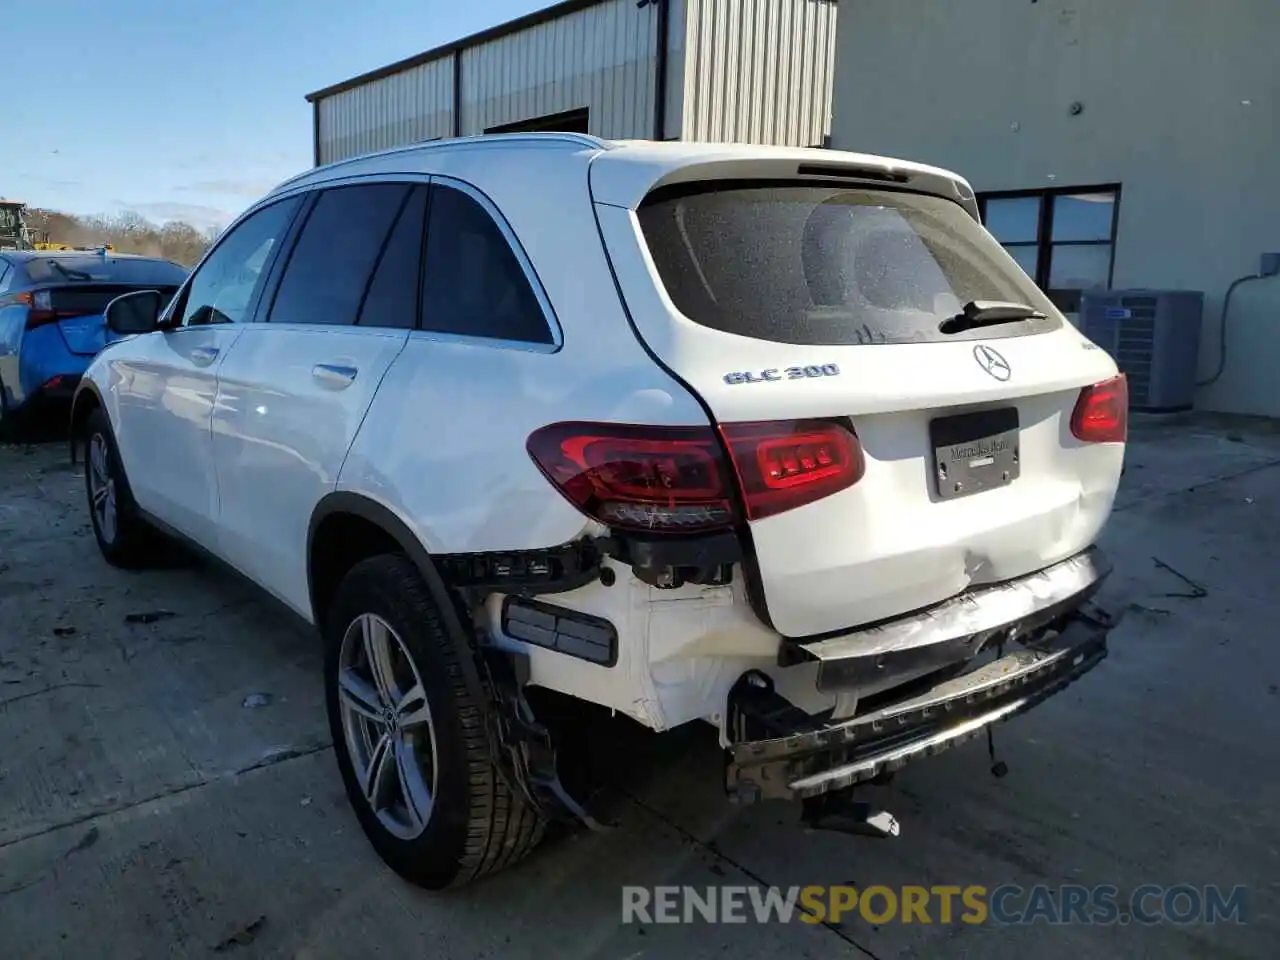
751 71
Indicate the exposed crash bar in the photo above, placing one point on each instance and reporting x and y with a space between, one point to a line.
956 629
814 761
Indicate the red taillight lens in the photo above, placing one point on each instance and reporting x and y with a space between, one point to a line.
675 479
785 465
39 307
1102 412
637 478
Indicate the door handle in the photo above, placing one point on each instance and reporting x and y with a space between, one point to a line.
336 375
203 356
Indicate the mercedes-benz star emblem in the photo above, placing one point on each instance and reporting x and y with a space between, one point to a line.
991 361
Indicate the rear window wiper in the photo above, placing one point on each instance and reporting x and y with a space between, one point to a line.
988 313
69 273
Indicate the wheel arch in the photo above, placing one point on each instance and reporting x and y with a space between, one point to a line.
87 398
343 512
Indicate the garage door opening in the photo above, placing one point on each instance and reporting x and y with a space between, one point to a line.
570 121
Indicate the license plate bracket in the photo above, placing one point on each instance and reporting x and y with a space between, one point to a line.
973 452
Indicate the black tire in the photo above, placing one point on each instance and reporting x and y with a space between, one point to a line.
10 431
132 544
477 824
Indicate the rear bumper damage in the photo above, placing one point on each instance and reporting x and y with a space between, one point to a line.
783 753
889 654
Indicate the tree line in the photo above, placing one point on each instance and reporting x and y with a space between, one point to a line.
127 232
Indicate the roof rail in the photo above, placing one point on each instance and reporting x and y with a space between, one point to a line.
481 139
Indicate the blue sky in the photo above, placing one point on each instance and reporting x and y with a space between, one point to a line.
190 110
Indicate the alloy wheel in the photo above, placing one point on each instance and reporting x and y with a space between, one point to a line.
387 724
102 488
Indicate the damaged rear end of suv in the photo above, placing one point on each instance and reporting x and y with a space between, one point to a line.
778 441
883 541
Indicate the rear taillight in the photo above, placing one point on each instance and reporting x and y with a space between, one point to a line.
637 478
39 307
1102 412
677 480
785 465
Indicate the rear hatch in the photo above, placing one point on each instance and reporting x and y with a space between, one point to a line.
77 286
819 304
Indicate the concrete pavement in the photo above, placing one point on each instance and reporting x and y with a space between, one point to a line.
167 787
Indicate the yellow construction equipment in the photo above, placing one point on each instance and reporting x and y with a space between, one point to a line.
15 233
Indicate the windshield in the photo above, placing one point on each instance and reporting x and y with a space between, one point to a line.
92 268
816 264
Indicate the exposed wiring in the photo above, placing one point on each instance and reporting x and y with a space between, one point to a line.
1222 328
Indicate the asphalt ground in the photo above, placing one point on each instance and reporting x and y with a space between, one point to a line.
167 786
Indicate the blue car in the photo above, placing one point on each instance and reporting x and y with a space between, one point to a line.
51 322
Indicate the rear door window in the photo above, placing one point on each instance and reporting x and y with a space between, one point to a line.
392 300
334 259
473 283
816 264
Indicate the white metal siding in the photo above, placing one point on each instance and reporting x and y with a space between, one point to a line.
752 71
601 58
759 71
403 108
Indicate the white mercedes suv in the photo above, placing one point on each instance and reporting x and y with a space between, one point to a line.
779 440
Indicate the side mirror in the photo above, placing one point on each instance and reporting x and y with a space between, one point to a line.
137 312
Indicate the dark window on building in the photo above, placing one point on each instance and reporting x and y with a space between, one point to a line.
1063 238
474 284
331 264
571 121
392 300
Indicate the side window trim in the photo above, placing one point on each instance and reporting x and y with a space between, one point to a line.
526 266
178 304
280 262
386 242
310 196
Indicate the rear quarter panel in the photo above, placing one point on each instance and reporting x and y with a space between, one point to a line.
44 355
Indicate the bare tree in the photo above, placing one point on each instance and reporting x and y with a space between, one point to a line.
127 232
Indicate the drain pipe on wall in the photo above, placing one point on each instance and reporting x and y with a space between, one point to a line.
1268 267
660 61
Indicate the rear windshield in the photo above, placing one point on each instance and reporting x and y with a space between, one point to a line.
817 264
88 268
85 299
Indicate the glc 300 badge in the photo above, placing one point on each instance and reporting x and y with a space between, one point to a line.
770 374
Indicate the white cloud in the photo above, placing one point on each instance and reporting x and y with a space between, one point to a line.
249 187
198 215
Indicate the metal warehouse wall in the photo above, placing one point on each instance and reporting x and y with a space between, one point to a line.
416 104
759 71
1179 104
754 71
601 58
